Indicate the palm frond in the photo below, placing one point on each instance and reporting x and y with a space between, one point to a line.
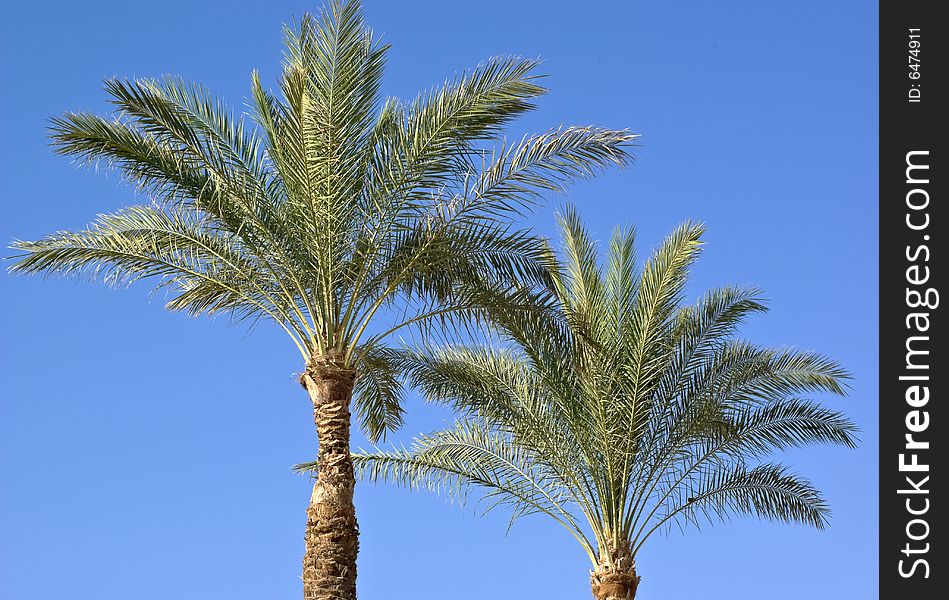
208 271
513 178
767 491
378 391
154 165
455 461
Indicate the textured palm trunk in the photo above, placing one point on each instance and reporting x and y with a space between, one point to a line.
332 535
615 577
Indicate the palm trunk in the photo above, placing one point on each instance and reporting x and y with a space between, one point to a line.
332 535
615 576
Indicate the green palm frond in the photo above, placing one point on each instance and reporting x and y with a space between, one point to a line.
513 178
444 125
766 491
153 164
454 460
630 409
378 390
205 271
144 242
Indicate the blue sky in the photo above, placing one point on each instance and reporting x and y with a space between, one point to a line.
148 453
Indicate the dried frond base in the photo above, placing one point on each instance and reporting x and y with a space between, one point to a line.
615 579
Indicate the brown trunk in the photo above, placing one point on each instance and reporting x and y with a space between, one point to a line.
615 577
332 535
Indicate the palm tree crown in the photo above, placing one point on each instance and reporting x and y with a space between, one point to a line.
623 410
330 204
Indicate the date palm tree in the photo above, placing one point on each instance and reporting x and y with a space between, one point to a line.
337 215
624 411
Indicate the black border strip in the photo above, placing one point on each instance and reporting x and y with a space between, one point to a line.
914 372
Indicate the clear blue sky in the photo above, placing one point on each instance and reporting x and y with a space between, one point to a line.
146 454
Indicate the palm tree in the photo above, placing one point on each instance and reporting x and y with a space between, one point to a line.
338 216
624 411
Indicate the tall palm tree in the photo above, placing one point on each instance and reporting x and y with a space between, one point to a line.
624 411
335 214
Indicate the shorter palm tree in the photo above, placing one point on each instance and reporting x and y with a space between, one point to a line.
623 412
